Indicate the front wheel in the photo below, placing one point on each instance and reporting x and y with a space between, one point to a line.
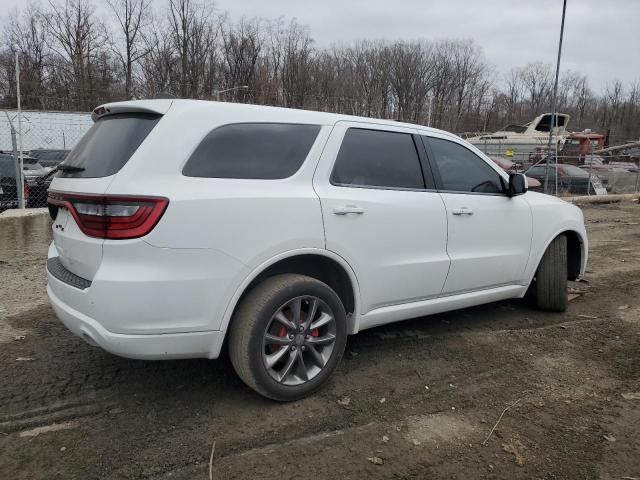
287 336
551 277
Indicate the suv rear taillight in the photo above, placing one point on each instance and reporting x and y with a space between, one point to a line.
111 216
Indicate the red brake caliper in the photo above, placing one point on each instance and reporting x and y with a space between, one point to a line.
280 331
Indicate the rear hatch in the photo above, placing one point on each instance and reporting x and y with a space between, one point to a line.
83 216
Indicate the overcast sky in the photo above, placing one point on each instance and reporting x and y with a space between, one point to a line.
602 37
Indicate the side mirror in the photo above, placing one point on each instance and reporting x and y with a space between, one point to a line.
517 184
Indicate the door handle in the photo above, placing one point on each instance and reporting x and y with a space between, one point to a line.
348 209
462 211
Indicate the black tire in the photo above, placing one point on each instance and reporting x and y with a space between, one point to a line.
252 319
551 277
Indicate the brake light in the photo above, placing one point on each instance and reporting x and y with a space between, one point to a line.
112 216
26 190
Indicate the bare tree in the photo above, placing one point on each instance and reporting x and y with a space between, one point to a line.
131 16
159 63
76 37
193 33
537 82
26 37
241 47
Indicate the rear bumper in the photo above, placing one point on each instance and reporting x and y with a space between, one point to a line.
147 302
148 347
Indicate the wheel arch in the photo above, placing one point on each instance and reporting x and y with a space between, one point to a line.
316 263
576 253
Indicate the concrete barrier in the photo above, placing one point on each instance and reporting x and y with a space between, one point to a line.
25 212
24 236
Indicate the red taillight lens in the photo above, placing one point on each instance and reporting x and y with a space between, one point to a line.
112 216
26 190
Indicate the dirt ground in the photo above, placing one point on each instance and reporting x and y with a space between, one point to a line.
417 399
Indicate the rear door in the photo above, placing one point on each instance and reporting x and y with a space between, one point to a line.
382 214
489 233
89 169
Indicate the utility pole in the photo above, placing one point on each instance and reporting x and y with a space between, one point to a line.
554 116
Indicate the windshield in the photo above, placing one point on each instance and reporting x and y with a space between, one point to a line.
515 128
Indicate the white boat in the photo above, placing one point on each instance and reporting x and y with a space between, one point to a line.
523 140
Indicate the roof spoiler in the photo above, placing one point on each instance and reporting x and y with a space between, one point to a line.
159 107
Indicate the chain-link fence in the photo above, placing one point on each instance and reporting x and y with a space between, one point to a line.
578 162
45 139
576 165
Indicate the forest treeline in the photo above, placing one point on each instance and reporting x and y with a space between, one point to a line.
74 56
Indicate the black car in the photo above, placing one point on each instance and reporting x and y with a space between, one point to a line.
571 180
8 190
49 158
38 189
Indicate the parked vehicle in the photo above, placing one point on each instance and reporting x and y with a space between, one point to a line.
49 158
33 170
8 184
39 188
572 180
580 144
179 224
525 139
512 167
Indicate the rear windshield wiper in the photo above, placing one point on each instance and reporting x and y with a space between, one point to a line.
69 168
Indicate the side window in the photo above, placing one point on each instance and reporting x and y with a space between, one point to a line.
252 151
461 170
378 158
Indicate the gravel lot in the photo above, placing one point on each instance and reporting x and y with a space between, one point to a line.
419 397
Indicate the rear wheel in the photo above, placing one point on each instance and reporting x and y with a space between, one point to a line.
551 277
287 336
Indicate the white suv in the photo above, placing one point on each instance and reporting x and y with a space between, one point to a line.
179 224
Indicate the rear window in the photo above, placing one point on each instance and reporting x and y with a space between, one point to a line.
266 151
109 144
377 158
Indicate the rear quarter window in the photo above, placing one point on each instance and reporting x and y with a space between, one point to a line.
267 151
109 144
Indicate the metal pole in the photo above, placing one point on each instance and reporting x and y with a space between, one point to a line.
16 161
554 118
429 114
556 179
20 162
590 168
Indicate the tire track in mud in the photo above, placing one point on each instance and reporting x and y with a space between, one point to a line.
49 415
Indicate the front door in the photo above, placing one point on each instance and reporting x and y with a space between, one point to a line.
489 232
